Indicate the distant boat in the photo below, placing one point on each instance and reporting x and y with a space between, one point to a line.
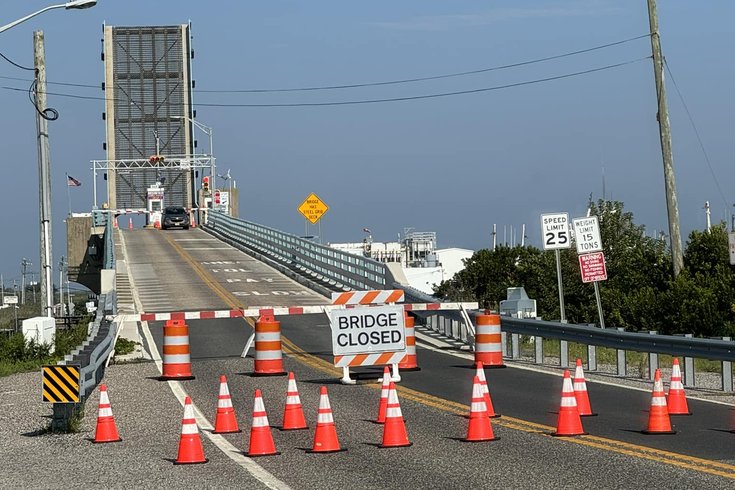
413 260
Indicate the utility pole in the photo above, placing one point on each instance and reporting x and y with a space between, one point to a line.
24 271
664 128
44 176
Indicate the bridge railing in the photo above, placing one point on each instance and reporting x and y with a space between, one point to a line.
339 271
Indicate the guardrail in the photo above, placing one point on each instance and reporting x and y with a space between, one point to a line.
91 356
337 270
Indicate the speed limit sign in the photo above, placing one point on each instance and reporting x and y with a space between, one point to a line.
555 231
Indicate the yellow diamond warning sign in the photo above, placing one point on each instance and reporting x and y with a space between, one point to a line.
313 208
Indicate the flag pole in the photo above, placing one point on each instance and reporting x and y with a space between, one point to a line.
68 194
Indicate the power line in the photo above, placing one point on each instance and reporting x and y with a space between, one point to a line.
16 64
435 77
696 132
375 101
371 84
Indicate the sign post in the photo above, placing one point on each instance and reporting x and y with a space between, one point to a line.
555 236
591 258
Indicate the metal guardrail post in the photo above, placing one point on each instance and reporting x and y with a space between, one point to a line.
727 373
652 360
504 344
564 353
592 357
688 367
622 364
515 345
538 346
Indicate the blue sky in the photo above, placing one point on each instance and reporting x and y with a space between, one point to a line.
454 165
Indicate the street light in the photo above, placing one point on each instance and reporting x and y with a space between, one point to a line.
208 131
76 4
44 170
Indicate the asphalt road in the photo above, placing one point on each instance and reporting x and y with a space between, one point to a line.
434 402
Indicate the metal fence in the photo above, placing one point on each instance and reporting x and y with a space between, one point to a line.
336 269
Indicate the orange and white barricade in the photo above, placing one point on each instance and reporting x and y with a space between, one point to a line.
268 353
176 353
410 361
488 340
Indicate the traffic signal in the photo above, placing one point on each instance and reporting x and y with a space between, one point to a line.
157 159
205 183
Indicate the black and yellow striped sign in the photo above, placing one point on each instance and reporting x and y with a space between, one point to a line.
61 383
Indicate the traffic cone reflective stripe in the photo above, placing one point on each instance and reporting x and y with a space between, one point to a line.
130 223
106 430
293 414
325 436
261 439
658 416
384 389
479 428
580 392
676 400
568 423
394 429
225 421
190 444
486 392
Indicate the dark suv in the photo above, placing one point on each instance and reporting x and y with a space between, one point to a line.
175 216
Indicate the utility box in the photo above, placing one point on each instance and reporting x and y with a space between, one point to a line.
518 304
41 330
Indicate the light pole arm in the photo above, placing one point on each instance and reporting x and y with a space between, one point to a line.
29 16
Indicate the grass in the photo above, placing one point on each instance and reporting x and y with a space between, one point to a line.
125 346
19 356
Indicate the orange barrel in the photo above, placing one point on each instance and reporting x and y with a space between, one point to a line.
176 354
409 361
488 343
268 354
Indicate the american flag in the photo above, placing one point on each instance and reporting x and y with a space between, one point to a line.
72 182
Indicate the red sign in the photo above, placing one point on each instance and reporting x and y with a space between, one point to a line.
593 267
216 197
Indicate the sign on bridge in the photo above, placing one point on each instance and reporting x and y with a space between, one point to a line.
313 208
368 330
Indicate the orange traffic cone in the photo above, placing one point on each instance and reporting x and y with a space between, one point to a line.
190 445
658 417
325 436
130 223
486 392
225 422
479 428
676 400
384 389
261 439
114 223
106 430
394 429
293 414
568 423
580 392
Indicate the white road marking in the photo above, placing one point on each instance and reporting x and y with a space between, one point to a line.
235 454
207 248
